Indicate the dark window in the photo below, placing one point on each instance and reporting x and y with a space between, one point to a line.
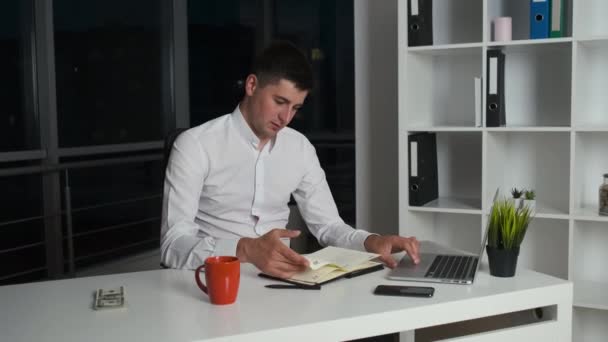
23 239
325 31
18 128
221 47
108 71
223 39
112 62
116 214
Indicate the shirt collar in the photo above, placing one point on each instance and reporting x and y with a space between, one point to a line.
247 133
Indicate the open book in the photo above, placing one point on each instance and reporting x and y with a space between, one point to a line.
331 263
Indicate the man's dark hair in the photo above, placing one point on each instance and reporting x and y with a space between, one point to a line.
283 60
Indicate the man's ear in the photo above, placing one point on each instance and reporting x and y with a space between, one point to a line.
251 84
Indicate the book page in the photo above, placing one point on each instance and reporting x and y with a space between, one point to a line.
366 264
332 262
346 259
338 272
314 276
329 276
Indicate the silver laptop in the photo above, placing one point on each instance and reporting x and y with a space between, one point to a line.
448 267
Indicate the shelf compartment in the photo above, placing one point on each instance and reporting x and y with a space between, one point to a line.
537 160
448 19
591 19
444 129
440 89
525 42
519 11
451 205
589 214
448 49
529 129
458 173
545 247
543 210
590 164
454 230
589 256
591 84
590 294
588 128
596 42
589 325
538 81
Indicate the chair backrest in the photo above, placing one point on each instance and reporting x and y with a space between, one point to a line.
169 140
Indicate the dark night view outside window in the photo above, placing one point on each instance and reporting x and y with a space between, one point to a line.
108 70
18 126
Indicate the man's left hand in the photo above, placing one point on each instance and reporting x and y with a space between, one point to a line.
386 245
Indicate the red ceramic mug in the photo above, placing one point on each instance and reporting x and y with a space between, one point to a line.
222 275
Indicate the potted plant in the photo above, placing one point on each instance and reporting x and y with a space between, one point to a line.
517 197
530 199
507 229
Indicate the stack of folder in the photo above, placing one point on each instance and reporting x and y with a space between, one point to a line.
546 19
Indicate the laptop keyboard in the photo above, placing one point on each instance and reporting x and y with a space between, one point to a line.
451 267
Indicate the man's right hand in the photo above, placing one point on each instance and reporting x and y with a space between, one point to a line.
271 255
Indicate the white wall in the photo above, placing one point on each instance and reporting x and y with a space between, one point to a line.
376 61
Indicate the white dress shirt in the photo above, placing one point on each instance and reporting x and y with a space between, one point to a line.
219 187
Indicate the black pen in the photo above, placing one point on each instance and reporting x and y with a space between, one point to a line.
293 286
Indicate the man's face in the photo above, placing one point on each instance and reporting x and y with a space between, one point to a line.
273 106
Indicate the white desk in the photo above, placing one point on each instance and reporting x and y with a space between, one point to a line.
166 305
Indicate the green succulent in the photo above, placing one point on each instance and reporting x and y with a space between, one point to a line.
517 193
530 195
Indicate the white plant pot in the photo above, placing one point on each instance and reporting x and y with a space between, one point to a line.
517 202
530 204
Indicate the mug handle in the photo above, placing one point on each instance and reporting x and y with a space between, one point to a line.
199 282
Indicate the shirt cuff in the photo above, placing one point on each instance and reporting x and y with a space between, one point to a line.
225 247
358 239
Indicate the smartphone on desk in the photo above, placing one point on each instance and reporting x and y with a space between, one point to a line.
408 291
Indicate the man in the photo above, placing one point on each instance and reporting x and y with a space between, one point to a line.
229 180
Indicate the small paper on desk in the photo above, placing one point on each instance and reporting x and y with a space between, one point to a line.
110 298
332 262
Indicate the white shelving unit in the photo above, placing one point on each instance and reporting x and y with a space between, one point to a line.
555 140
